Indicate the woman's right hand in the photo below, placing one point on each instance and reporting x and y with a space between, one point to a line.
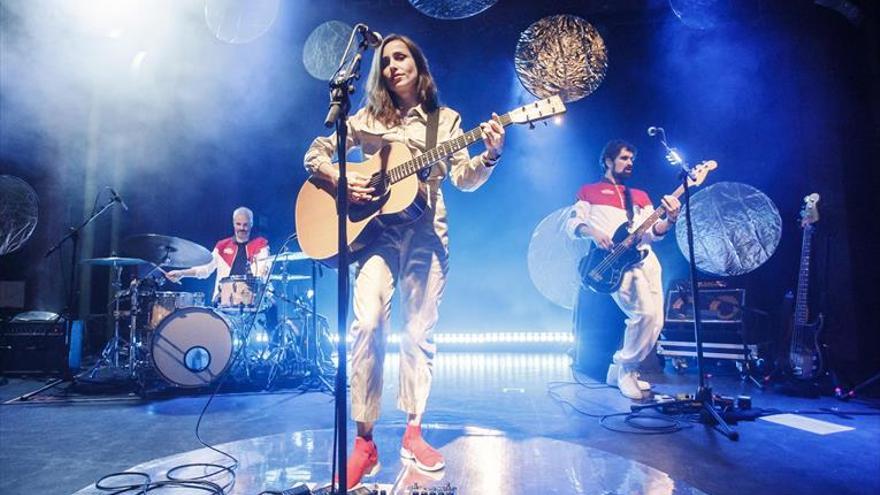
359 189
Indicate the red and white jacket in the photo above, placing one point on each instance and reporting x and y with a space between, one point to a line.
223 256
601 205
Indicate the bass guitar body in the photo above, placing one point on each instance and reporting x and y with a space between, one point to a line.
602 271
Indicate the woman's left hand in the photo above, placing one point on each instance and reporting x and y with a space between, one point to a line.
493 136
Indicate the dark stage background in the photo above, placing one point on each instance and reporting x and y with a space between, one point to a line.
782 94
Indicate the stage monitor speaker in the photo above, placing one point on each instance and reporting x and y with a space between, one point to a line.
37 346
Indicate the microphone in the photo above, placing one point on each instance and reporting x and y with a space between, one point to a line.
652 131
372 38
117 198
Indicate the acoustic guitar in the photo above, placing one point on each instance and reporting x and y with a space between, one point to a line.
399 196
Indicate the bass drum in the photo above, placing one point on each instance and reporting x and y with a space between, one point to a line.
192 347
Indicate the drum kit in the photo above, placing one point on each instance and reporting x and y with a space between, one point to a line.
262 332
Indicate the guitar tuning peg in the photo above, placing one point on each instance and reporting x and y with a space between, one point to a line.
531 125
545 123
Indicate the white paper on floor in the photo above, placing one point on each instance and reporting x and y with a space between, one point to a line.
816 426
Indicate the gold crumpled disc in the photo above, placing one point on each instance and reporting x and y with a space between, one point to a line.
561 54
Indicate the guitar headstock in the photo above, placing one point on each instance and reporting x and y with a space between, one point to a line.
537 110
810 213
698 173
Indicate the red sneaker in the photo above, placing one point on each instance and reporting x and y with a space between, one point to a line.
416 449
364 461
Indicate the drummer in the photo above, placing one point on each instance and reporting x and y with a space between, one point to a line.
236 255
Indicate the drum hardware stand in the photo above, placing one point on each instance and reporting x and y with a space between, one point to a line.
110 353
703 400
71 311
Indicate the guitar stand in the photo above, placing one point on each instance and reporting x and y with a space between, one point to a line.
853 392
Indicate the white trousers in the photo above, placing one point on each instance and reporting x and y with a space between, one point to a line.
640 297
414 258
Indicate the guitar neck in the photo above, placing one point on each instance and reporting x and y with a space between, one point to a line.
801 311
650 221
440 152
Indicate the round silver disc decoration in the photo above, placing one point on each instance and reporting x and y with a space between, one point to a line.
553 259
238 22
19 211
736 229
324 47
561 54
451 9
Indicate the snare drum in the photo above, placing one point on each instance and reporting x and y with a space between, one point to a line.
160 304
192 347
239 292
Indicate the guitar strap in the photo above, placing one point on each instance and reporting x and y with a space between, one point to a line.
628 203
430 140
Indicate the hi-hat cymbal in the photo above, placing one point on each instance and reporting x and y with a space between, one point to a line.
166 251
289 278
293 256
114 261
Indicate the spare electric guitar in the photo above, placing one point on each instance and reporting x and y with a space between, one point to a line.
399 196
805 361
602 269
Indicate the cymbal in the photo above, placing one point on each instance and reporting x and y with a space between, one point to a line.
114 261
289 278
166 251
293 256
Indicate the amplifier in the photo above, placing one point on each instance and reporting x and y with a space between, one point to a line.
33 347
728 328
716 305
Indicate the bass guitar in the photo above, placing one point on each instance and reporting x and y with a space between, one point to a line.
805 361
602 270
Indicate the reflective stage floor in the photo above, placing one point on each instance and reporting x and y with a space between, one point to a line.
478 460
507 424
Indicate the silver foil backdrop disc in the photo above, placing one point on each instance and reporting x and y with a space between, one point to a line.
324 47
238 22
561 54
553 259
451 9
19 211
736 229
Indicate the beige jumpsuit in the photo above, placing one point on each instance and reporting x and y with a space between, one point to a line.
413 257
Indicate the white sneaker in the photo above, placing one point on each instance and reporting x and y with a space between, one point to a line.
613 372
628 385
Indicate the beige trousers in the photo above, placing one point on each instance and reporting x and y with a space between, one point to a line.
640 297
413 258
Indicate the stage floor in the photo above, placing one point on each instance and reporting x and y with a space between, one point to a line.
492 415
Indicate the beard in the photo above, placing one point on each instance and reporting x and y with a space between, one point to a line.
622 176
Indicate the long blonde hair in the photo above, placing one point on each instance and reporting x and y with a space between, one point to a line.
379 99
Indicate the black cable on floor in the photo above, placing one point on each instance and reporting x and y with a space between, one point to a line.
149 485
639 423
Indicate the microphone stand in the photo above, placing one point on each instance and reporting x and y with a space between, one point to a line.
341 87
71 311
703 399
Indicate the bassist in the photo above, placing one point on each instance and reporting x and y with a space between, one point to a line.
600 209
